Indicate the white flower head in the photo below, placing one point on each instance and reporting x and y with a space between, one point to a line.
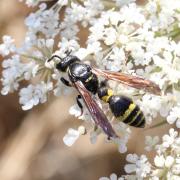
139 165
168 140
33 95
113 176
13 69
67 45
72 135
118 36
75 110
110 36
124 2
164 162
62 2
42 21
70 138
7 46
174 116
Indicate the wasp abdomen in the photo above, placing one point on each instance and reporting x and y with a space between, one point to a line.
126 111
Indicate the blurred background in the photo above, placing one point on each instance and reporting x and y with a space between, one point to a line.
31 146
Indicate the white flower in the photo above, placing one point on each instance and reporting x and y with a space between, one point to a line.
62 2
13 70
72 135
113 176
168 140
150 105
33 95
169 161
94 47
167 158
132 14
113 17
151 142
66 44
123 2
140 165
110 36
115 60
30 70
42 21
81 53
174 116
75 110
7 46
159 161
164 162
132 158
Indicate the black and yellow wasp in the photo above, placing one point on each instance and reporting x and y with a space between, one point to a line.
84 78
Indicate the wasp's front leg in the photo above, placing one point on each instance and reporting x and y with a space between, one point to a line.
65 82
79 104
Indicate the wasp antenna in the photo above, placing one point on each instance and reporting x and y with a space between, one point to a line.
68 52
54 56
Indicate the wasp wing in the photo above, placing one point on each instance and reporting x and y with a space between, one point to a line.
96 112
133 81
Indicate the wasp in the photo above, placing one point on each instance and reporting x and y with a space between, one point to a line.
84 78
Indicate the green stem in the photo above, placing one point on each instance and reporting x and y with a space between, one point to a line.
109 4
79 2
172 34
158 124
31 57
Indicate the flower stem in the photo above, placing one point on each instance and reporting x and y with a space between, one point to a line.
175 33
109 4
172 34
158 124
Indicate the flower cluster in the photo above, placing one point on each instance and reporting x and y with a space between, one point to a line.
166 161
122 36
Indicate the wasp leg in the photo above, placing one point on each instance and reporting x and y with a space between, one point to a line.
65 82
79 104
103 83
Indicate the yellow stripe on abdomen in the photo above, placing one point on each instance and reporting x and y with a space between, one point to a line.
109 94
132 106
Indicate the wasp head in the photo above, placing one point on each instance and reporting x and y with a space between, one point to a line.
64 62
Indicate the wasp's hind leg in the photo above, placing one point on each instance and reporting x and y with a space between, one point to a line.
79 104
103 83
65 82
